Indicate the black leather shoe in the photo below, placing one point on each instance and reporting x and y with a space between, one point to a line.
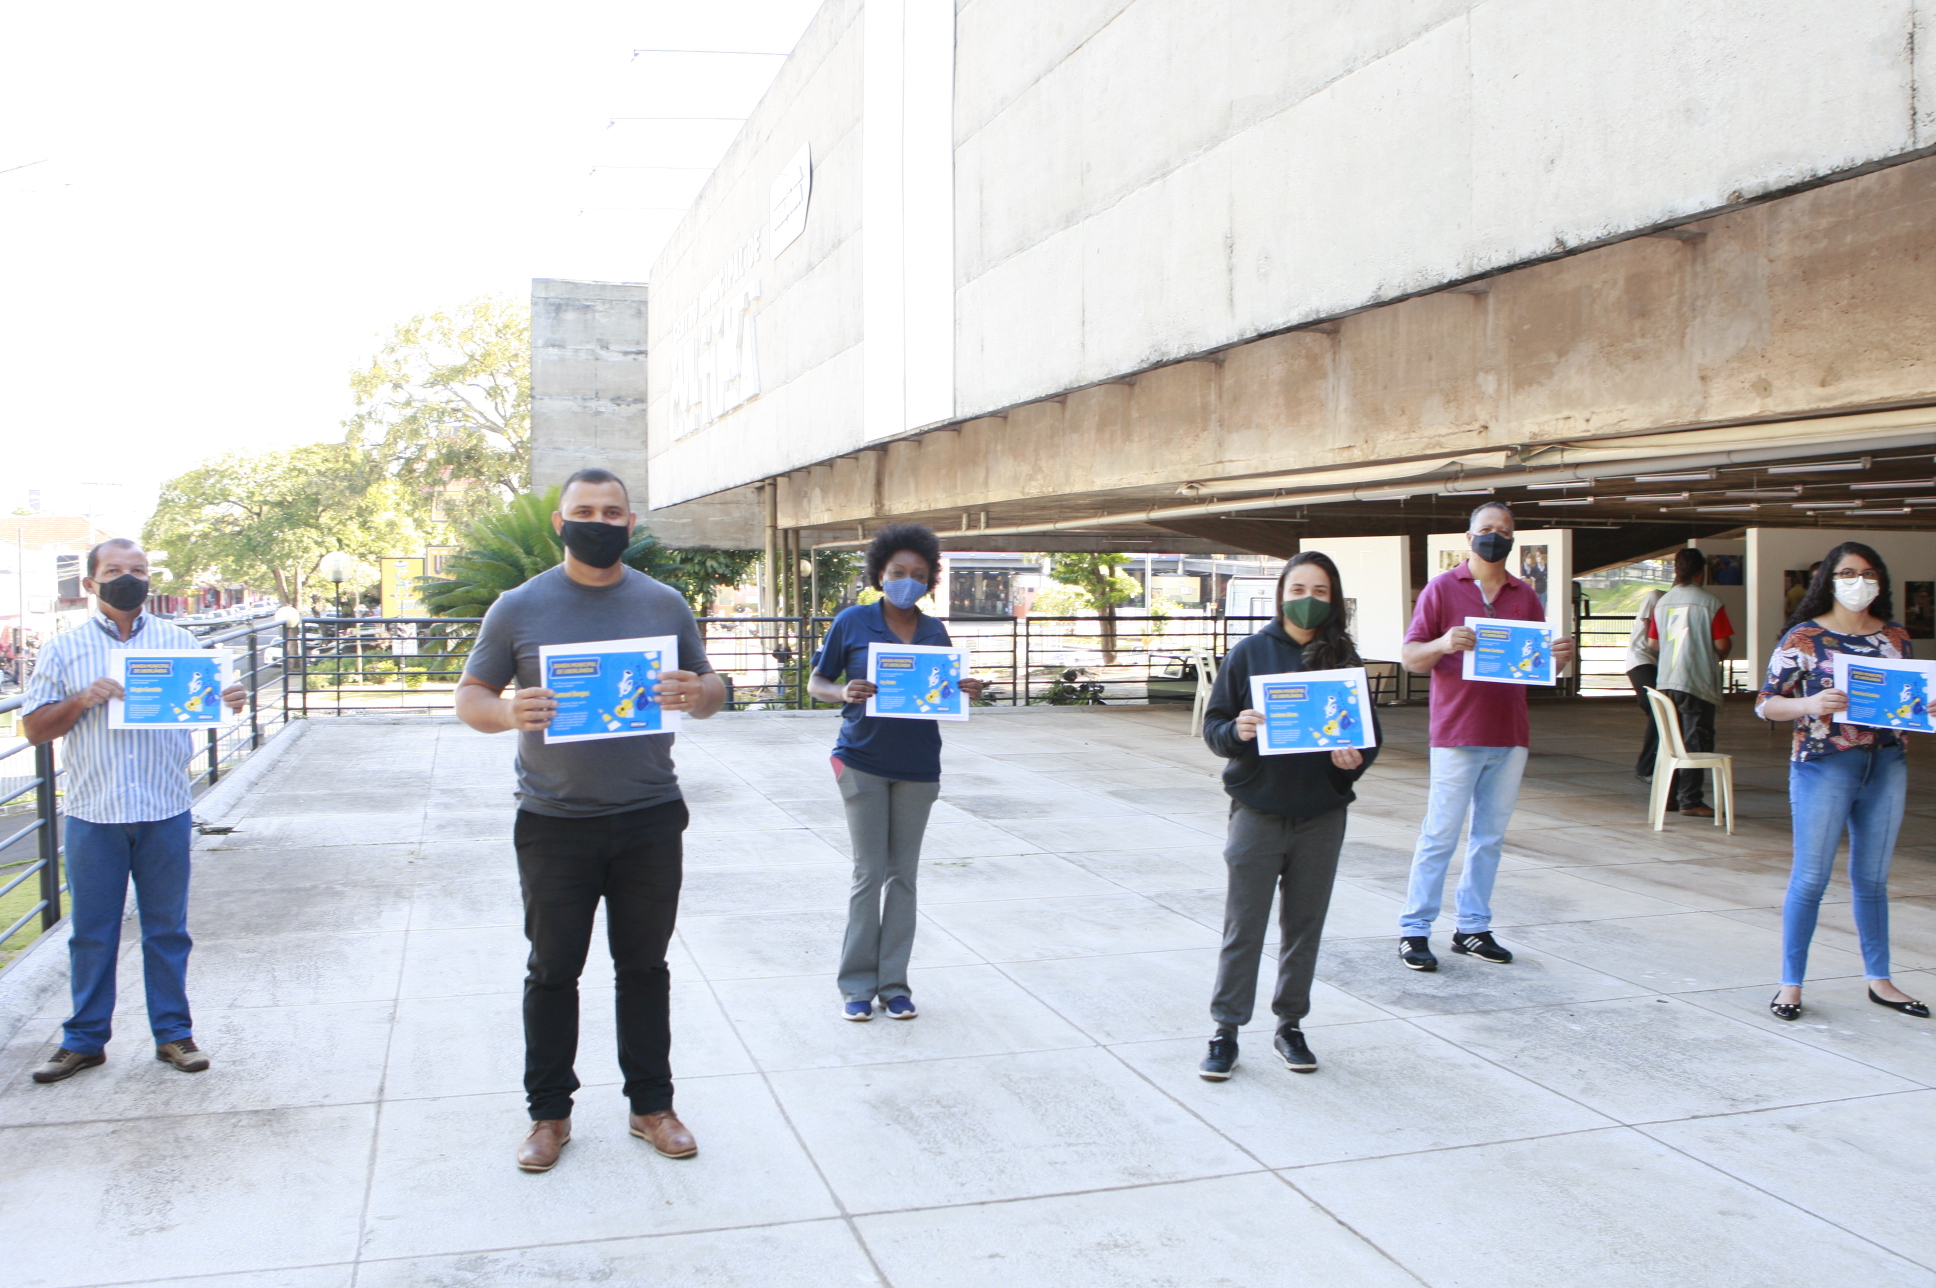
1483 946
1222 1059
1297 1056
1788 1010
1416 951
1911 1007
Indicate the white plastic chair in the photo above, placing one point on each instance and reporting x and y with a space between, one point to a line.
1673 754
1205 663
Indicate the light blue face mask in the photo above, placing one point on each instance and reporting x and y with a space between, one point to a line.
904 592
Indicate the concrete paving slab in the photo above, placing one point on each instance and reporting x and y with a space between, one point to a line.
1102 833
323 831
167 1195
1032 929
712 891
292 970
444 1182
795 1023
1838 1016
1605 1209
1385 1087
1542 896
1149 1235
1912 930
1370 969
469 902
1645 1059
227 911
1027 876
766 846
1710 885
1840 1161
337 1276
1198 867
808 1254
956 840
890 1137
1682 952
757 945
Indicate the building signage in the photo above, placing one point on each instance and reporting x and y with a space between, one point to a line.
716 356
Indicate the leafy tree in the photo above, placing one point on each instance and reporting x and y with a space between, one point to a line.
837 572
1096 577
268 518
446 405
511 543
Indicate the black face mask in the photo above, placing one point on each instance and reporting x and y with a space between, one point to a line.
126 592
1492 547
599 544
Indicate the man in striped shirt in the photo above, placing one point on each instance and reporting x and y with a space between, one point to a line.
126 800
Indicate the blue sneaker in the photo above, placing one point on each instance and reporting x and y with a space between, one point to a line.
861 1011
901 1008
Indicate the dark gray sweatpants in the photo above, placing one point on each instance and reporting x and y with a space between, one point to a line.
1266 854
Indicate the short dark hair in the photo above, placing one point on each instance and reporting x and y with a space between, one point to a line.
914 538
1689 564
1472 521
593 475
112 543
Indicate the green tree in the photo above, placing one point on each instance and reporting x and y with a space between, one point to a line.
1096 577
836 571
446 405
511 543
266 519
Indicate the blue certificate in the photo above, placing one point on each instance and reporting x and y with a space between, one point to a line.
917 681
1510 652
169 688
1886 692
1312 711
608 689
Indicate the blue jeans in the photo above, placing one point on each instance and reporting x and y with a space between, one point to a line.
1482 782
1859 792
100 859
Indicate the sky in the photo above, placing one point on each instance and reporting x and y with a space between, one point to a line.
210 214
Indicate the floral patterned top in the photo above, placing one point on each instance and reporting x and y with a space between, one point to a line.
1801 667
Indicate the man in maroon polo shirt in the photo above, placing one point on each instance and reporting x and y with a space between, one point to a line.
1479 738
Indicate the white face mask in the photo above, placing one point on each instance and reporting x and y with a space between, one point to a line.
1858 594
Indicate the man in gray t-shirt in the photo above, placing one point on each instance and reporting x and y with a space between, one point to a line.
596 820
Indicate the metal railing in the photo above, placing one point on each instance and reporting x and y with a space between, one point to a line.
259 646
409 665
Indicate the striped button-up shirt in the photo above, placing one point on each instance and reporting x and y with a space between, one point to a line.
113 775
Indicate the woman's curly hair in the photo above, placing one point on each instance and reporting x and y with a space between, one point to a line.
914 538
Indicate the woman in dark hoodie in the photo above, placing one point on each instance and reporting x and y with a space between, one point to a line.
1287 815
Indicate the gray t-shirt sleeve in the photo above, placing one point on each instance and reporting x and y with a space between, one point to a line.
692 648
494 657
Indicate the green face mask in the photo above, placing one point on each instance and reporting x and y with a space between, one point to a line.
1308 613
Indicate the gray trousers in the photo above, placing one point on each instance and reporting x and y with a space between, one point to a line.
885 820
1266 854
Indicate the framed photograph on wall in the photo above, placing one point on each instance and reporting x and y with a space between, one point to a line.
1919 609
1724 570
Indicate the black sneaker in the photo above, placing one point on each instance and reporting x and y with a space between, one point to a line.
1416 951
1482 946
1222 1059
1297 1056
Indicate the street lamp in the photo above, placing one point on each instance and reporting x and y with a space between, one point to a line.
337 567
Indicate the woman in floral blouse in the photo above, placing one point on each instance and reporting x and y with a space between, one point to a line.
1841 778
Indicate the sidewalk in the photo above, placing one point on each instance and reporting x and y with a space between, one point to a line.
1615 1108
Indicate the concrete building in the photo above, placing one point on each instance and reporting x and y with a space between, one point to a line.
1135 273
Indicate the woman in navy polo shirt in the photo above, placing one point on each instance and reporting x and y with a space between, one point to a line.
889 771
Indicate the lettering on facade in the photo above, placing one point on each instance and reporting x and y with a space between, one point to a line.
792 188
716 354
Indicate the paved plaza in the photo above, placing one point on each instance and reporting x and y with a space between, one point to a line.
1615 1108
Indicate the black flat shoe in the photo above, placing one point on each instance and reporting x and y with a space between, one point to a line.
1911 1007
1788 1010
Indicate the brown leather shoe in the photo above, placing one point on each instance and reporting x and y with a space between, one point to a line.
539 1150
184 1055
665 1133
65 1064
1698 811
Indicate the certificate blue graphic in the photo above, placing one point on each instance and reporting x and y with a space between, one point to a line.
1886 693
1510 652
181 690
916 682
1313 711
607 689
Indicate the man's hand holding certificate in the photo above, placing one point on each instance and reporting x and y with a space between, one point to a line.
608 689
1886 692
918 681
1312 711
171 689
1509 652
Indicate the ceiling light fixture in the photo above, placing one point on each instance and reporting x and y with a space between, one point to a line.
1570 500
1556 487
1826 505
1884 485
1658 496
1725 509
1819 467
1903 510
1767 491
1691 476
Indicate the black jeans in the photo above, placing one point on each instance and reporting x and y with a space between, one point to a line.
634 861
1642 678
1697 734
